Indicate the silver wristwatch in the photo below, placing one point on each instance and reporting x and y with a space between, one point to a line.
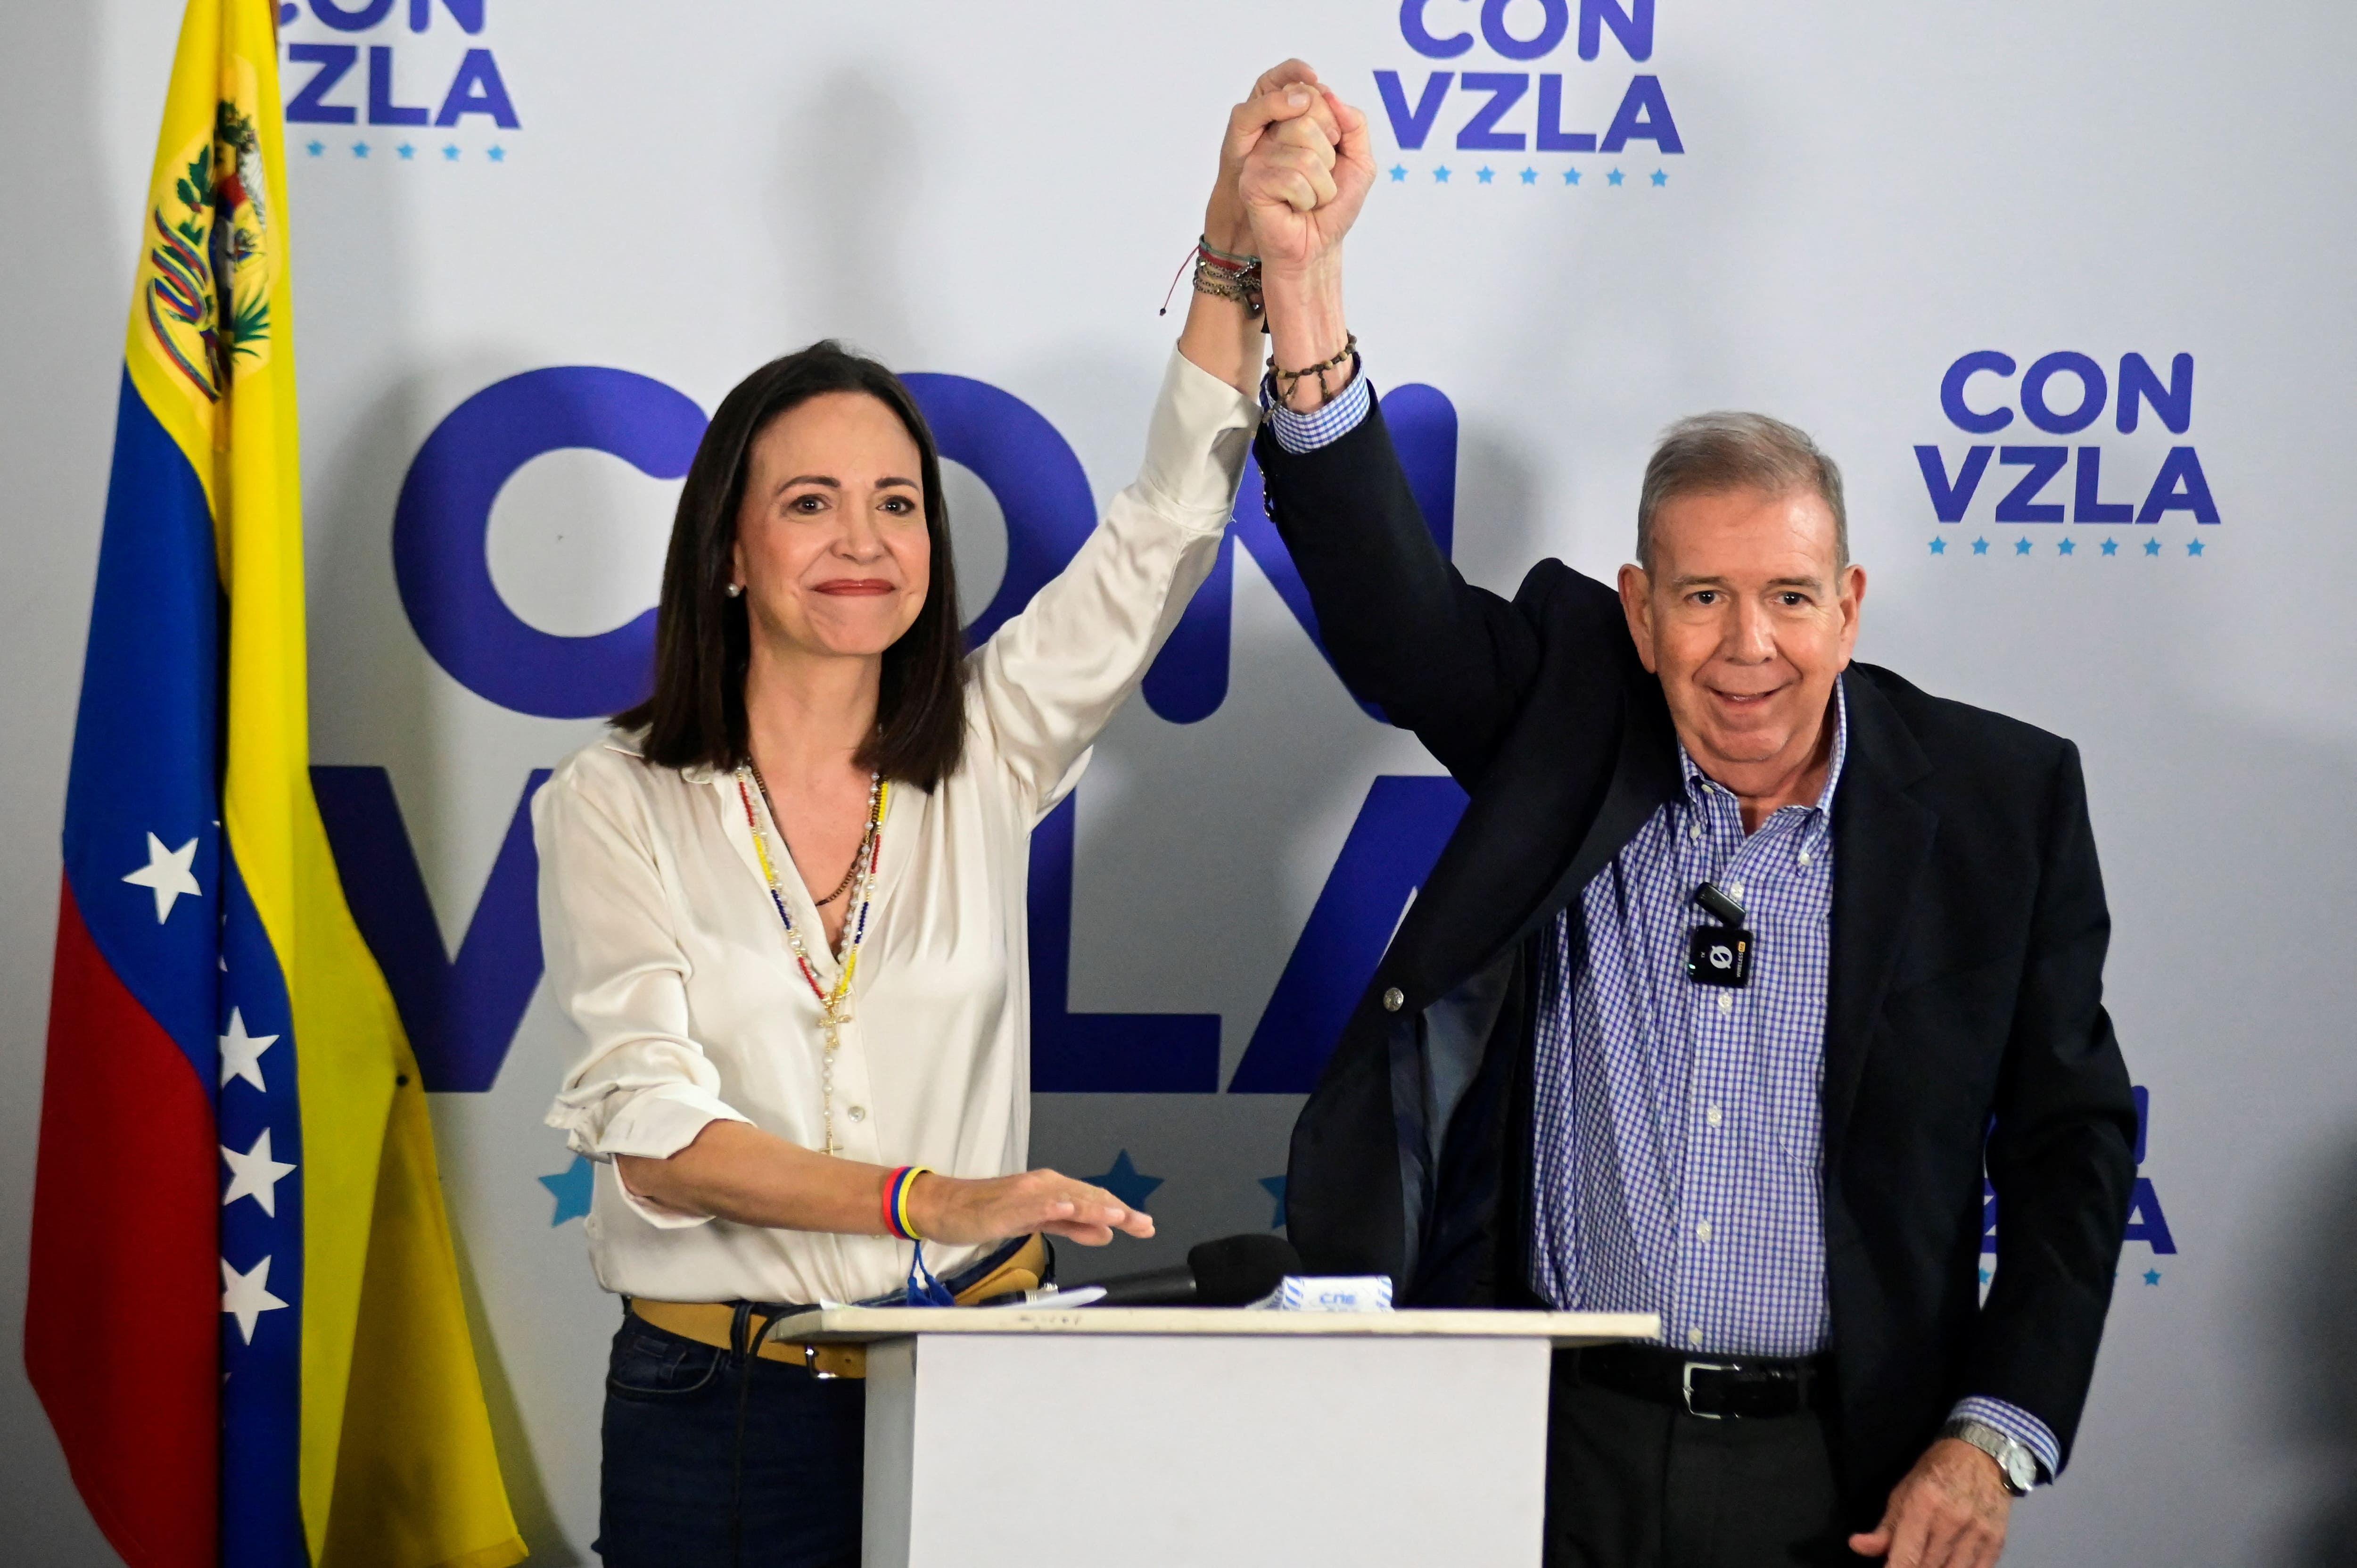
2017 1466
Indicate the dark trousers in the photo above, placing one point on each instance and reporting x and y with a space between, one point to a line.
713 1460
1631 1484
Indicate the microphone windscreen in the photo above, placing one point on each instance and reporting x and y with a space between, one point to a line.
1234 1269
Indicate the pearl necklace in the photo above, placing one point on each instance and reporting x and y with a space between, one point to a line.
834 1006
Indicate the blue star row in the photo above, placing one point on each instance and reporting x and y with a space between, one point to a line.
407 152
572 1187
1442 174
2068 547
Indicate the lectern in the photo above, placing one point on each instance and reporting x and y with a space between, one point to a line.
1185 1437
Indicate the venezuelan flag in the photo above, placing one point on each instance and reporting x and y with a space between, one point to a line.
244 1318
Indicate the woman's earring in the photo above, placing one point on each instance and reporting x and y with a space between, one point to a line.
736 590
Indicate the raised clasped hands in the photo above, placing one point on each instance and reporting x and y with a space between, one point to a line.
1302 184
1300 181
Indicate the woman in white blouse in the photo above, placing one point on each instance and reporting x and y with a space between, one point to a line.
785 904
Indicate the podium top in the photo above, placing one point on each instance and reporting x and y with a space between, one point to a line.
859 1325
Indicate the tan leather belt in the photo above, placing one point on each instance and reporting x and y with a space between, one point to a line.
712 1322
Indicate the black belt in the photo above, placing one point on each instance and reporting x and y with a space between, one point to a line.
1716 1388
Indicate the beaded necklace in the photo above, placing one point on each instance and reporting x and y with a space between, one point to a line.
833 1005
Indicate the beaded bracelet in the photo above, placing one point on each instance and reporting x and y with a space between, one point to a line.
896 1201
1209 251
1287 380
1223 274
1221 284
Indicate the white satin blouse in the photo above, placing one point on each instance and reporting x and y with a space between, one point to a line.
663 948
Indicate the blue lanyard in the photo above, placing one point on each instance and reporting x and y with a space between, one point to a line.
930 1292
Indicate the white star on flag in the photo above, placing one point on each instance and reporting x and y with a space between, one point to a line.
240 1053
167 875
254 1175
247 1296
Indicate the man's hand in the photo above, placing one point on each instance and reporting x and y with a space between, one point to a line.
1302 192
1949 1512
1284 93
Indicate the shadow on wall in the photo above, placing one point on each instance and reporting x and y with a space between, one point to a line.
848 171
2318 1359
72 264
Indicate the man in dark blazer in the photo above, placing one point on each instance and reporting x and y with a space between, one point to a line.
1744 964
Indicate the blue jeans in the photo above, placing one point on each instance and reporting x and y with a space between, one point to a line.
672 1495
716 1460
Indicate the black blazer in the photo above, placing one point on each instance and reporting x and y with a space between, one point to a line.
1963 1023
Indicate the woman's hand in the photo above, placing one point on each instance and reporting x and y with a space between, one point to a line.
735 1171
961 1211
1285 93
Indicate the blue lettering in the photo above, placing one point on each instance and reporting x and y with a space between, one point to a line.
2044 463
1505 90
1189 678
1399 834
1552 136
1633 28
382 110
2087 505
2173 403
1099 1053
1029 470
1949 500
478 90
461 1014
1643 113
467 14
444 515
1411 28
358 20
335 61
2147 1223
1962 416
1555 21
2179 487
1410 127
2094 392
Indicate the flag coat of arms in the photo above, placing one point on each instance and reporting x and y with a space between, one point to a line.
244 1318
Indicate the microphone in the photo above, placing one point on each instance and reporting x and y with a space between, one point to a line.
1226 1272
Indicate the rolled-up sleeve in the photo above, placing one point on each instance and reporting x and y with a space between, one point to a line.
1052 676
642 1085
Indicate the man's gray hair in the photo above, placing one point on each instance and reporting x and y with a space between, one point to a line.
1713 453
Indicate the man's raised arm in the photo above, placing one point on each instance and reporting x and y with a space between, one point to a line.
1446 659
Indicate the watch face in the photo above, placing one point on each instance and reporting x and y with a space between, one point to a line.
2020 1468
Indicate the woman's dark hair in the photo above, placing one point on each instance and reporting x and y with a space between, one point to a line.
696 712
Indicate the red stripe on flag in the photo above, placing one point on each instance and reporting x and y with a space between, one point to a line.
122 1320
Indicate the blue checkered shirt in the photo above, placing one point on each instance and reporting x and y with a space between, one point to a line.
1677 1135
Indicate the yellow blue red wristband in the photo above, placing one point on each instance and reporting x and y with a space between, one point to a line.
896 1201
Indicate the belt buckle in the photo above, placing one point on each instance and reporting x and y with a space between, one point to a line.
810 1362
1685 1385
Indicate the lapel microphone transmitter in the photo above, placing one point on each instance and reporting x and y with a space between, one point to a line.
1720 954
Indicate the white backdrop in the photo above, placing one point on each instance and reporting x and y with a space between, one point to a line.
1853 198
